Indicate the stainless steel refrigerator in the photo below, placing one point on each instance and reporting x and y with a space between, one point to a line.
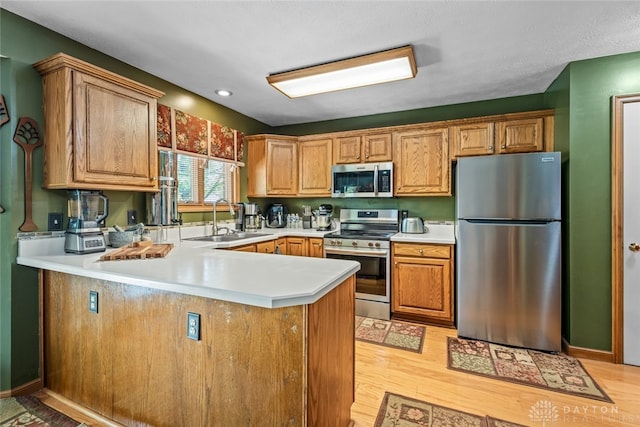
508 249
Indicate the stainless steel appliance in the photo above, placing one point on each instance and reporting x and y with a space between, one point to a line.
362 180
412 225
508 249
162 207
85 209
276 216
364 236
251 216
324 217
307 217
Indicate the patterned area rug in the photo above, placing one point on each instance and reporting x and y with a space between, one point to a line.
556 372
400 411
29 411
390 333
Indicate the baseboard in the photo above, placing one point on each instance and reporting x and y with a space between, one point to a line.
62 404
587 353
28 388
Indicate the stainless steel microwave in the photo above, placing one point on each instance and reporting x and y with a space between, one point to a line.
362 180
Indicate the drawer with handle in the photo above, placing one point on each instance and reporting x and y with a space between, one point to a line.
422 250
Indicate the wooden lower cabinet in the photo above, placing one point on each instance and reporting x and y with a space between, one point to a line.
266 247
316 247
297 246
422 283
244 248
132 362
281 246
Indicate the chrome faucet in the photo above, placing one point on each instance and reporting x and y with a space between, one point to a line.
214 228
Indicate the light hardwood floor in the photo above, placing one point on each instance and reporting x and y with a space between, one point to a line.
425 376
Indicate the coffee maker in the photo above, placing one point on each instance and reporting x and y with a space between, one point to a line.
251 217
83 234
307 217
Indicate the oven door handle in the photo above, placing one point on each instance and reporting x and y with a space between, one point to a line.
374 253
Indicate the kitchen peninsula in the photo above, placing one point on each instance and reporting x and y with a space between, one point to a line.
275 340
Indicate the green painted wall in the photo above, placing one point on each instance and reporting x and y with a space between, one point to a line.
24 43
593 83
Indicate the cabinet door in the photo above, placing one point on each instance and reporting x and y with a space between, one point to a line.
266 247
282 167
114 134
423 289
346 149
315 167
520 136
472 139
281 246
256 167
422 162
316 248
245 248
297 246
377 148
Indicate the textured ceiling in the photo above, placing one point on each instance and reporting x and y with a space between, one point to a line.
465 51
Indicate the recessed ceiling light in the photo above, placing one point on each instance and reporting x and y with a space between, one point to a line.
380 67
224 92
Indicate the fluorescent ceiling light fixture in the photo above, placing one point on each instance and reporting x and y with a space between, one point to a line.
224 92
380 67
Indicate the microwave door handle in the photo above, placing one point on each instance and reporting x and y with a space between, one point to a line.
375 180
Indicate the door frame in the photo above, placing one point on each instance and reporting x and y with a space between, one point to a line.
617 232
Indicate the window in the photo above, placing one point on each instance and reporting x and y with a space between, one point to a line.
202 181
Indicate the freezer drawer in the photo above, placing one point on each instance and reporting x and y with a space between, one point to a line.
508 283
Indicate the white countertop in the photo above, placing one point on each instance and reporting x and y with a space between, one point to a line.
194 268
442 232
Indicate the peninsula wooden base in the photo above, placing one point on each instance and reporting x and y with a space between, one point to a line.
133 363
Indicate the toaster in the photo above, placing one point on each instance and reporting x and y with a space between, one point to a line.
412 225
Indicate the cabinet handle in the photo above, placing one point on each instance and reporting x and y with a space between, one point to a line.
358 157
420 251
634 247
153 178
504 146
490 148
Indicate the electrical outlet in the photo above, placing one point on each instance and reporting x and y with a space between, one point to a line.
55 221
93 301
132 217
193 326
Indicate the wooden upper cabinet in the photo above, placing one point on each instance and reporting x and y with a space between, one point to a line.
100 128
315 167
421 159
272 166
362 148
472 139
520 136
282 167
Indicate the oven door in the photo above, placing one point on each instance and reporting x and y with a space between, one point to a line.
373 279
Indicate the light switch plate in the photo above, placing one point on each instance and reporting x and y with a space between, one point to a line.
55 221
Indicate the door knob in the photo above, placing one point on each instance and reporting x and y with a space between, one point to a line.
634 247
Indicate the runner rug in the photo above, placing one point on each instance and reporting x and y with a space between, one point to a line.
29 411
556 372
390 333
397 410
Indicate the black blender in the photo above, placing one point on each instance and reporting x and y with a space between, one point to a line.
85 209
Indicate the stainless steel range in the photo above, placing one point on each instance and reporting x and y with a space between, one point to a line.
364 236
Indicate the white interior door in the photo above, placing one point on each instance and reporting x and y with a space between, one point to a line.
631 227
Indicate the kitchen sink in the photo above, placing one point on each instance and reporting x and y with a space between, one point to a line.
234 237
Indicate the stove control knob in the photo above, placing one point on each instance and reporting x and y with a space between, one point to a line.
377 245
370 244
354 243
339 242
332 242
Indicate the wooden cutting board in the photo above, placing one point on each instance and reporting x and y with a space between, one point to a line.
140 252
